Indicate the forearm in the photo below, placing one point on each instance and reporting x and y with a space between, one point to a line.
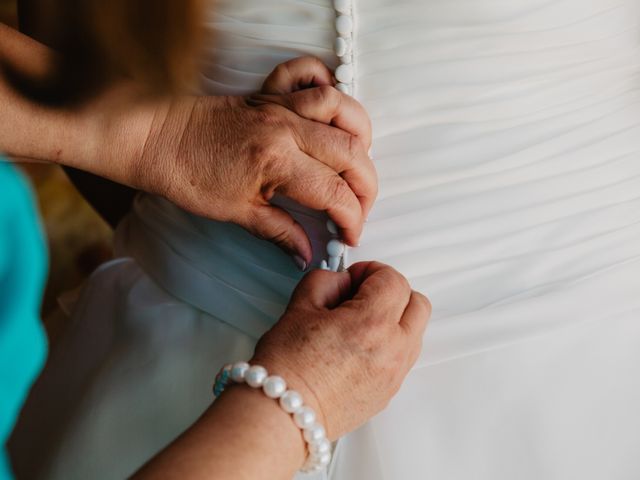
106 136
243 436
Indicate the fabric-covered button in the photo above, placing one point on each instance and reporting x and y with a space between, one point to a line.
342 6
344 73
341 46
344 88
344 25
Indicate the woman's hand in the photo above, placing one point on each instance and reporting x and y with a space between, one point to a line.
220 157
347 341
225 157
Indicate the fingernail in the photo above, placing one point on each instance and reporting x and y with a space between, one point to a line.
300 262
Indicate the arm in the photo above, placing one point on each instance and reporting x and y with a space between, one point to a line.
345 343
74 138
110 199
223 158
244 435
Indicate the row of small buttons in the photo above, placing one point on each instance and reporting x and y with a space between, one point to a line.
336 250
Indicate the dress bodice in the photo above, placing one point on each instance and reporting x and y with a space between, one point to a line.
505 138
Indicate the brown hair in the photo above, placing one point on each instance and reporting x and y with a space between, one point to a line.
153 41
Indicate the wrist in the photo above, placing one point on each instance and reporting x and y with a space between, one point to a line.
296 381
290 400
155 166
113 133
271 432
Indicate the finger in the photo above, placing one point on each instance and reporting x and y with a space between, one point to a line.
380 288
277 226
296 74
346 155
416 315
322 289
326 104
343 144
316 186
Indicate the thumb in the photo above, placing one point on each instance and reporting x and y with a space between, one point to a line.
278 227
322 289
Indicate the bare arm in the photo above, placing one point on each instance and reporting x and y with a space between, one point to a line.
345 343
110 199
220 157
243 436
74 138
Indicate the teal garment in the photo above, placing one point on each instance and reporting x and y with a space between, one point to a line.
23 344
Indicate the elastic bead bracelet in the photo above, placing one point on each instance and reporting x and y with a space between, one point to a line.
290 401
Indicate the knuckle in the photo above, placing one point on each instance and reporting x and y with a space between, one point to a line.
310 61
315 277
353 147
282 71
273 116
265 226
270 154
328 94
340 191
395 279
425 302
268 114
266 160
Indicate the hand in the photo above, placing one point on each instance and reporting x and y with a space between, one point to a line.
225 158
347 341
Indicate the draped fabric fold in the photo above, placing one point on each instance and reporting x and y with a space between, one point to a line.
506 139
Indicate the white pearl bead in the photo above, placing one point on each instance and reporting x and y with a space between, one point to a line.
311 467
335 248
344 25
342 6
305 417
331 225
344 88
347 59
256 376
341 46
321 446
344 73
238 371
274 386
314 433
323 459
291 401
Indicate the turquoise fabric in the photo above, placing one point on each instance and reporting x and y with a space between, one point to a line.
22 274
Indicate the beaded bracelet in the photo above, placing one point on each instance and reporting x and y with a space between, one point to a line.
291 402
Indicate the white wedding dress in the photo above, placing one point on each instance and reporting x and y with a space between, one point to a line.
507 142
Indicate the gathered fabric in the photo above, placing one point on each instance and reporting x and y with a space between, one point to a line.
506 139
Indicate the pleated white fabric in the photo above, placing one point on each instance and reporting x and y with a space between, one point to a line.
506 138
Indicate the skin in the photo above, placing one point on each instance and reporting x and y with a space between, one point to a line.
356 334
220 157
